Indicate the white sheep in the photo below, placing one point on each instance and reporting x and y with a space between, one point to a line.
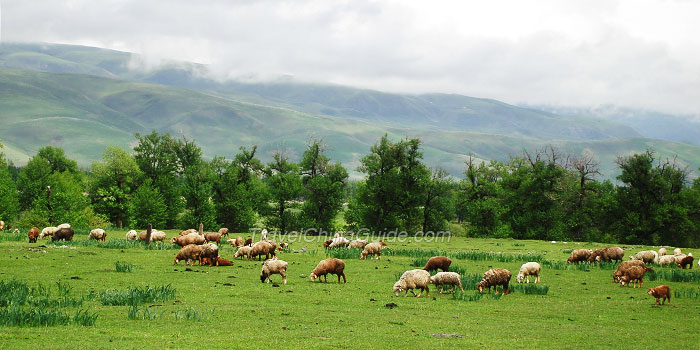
662 251
132 235
98 234
648 256
63 226
679 257
48 231
358 243
339 242
263 235
447 278
243 251
2 225
157 236
677 251
273 266
527 270
667 260
374 248
413 279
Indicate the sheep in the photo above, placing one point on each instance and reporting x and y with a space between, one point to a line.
259 249
273 266
624 266
413 279
634 274
212 237
648 256
447 278
607 254
662 251
131 235
283 246
494 278
223 231
679 257
219 262
339 242
239 241
188 253
211 251
372 249
192 238
263 235
330 265
438 262
157 236
63 226
187 232
2 225
358 243
242 251
48 231
659 292
327 243
98 234
65 233
274 246
677 251
579 255
248 242
688 260
527 270
33 234
667 260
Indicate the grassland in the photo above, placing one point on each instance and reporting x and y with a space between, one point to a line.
228 307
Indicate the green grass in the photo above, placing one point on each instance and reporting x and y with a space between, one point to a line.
204 305
120 266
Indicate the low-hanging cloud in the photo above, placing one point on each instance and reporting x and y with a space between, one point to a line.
638 54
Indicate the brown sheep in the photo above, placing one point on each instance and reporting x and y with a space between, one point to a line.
192 238
579 255
607 254
327 243
239 242
274 246
65 233
248 242
438 262
259 249
688 260
372 249
494 278
213 237
187 232
224 262
330 265
223 231
634 274
189 253
33 234
283 246
2 225
659 292
211 251
624 266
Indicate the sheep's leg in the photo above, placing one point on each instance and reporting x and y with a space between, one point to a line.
527 279
284 277
538 278
344 279
420 293
452 290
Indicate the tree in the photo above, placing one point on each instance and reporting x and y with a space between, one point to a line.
198 192
479 197
438 201
58 160
9 201
114 181
324 185
284 184
146 206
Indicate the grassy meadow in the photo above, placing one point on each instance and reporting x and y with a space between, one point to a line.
141 300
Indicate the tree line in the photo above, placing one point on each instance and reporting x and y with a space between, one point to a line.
544 194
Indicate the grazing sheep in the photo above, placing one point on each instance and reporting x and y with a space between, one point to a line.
248 242
659 292
648 256
358 243
283 246
374 248
263 235
494 278
212 237
239 242
679 257
192 238
667 260
330 265
273 266
438 262
634 274
624 266
527 270
211 251
33 234
688 260
579 255
677 251
242 251
607 254
327 243
48 231
131 235
63 226
2 225
157 236
98 234
189 253
223 231
187 232
413 279
261 248
662 251
274 246
65 233
447 278
339 242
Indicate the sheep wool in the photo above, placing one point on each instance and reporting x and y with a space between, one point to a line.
48 231
677 251
131 235
413 279
667 260
189 253
242 251
624 266
447 278
662 251
339 242
579 255
271 267
210 251
529 269
358 243
374 248
494 278
648 256
98 234
329 266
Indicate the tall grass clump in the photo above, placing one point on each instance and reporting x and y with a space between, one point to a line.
191 314
458 295
562 265
469 281
120 244
465 255
13 237
529 288
343 253
673 275
143 314
16 316
686 293
135 296
120 266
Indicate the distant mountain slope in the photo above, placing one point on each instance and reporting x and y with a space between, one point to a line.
436 111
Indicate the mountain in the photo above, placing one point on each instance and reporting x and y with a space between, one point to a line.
83 99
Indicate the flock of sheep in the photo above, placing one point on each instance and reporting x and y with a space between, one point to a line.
202 247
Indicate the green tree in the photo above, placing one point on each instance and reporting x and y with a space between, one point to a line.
9 201
438 201
324 184
198 193
58 160
114 181
479 198
284 186
146 206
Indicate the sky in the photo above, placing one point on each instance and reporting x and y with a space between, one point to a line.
637 53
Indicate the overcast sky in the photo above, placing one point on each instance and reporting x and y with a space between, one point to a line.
636 53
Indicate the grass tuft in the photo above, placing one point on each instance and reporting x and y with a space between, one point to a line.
124 267
135 296
529 288
672 275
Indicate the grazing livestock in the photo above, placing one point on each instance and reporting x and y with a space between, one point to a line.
527 270
248 242
660 292
33 234
494 278
339 242
192 238
374 248
687 261
63 233
634 275
48 232
242 251
579 255
223 231
413 279
667 260
438 262
624 266
648 256
2 225
358 243
261 248
189 253
447 279
98 234
132 235
187 232
212 237
330 265
677 251
607 254
662 251
271 267
210 251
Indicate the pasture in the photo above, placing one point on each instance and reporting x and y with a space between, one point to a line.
142 300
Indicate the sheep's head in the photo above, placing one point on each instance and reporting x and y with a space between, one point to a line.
173 240
520 277
175 261
480 286
262 277
650 291
382 243
313 276
624 280
398 288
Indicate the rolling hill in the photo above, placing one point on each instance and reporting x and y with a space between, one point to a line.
83 99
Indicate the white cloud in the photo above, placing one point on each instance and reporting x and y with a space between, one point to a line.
636 53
